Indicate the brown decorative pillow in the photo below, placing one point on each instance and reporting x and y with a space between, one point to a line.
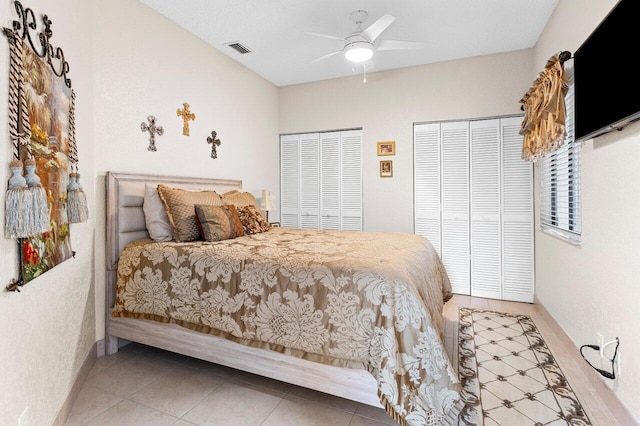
252 220
180 210
218 223
239 199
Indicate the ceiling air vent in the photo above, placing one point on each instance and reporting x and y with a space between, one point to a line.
239 47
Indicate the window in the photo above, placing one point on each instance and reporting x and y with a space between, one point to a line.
560 202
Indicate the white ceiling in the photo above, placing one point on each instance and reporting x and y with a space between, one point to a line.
282 53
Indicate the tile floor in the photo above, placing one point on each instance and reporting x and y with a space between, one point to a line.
146 386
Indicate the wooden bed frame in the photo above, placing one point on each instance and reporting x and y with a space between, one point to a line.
125 194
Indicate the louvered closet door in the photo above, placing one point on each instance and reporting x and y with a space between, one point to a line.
486 280
517 216
455 204
330 180
426 157
289 181
351 180
309 181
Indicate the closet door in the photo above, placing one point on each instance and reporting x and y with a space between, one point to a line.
486 280
517 216
309 181
426 166
455 204
290 181
330 180
351 180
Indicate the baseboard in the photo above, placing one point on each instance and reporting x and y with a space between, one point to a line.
101 348
617 408
86 367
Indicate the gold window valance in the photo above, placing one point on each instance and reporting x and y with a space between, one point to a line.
543 126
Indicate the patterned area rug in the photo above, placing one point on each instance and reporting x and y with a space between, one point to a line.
508 374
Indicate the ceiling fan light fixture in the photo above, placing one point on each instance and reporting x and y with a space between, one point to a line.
359 51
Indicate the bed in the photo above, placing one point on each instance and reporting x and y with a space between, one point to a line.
352 314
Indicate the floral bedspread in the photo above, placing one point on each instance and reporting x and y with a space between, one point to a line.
350 299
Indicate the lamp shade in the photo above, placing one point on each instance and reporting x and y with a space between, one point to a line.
266 203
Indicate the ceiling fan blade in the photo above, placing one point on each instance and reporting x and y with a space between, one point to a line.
326 56
399 45
374 30
325 36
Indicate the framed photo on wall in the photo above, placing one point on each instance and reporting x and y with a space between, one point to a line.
386 168
387 148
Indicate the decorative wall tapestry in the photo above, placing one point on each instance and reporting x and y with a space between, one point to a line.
42 130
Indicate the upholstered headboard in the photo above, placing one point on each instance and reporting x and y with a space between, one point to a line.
125 194
125 220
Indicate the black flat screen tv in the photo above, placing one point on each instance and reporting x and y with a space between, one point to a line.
606 79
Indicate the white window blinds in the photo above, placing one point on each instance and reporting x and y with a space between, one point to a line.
560 199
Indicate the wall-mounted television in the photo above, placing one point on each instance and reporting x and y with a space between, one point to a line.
606 79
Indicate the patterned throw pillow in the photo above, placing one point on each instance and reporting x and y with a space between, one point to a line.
252 220
239 199
180 209
218 223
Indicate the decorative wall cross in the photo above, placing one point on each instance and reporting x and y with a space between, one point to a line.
215 142
186 116
153 131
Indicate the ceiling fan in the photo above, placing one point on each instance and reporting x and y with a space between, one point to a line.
360 45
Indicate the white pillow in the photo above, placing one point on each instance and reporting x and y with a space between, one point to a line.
155 215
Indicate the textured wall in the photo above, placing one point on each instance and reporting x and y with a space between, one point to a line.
48 329
596 287
386 108
146 65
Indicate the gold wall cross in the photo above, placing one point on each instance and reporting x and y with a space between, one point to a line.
186 116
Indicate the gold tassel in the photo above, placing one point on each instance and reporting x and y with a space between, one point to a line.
39 214
18 204
77 209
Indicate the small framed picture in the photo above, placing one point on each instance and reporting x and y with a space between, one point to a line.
387 148
386 168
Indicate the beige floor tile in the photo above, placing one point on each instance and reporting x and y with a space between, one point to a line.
183 423
373 413
363 421
131 375
90 402
106 361
167 355
234 404
127 413
300 412
178 391
324 399
217 369
265 382
152 375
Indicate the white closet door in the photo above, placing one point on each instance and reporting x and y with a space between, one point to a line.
426 157
351 179
517 216
486 280
330 180
455 204
289 181
309 181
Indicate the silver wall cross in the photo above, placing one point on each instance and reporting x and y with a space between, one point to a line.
215 142
153 131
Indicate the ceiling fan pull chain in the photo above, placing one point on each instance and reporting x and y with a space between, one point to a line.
364 68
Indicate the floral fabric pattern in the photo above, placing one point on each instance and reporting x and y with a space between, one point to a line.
252 220
350 299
